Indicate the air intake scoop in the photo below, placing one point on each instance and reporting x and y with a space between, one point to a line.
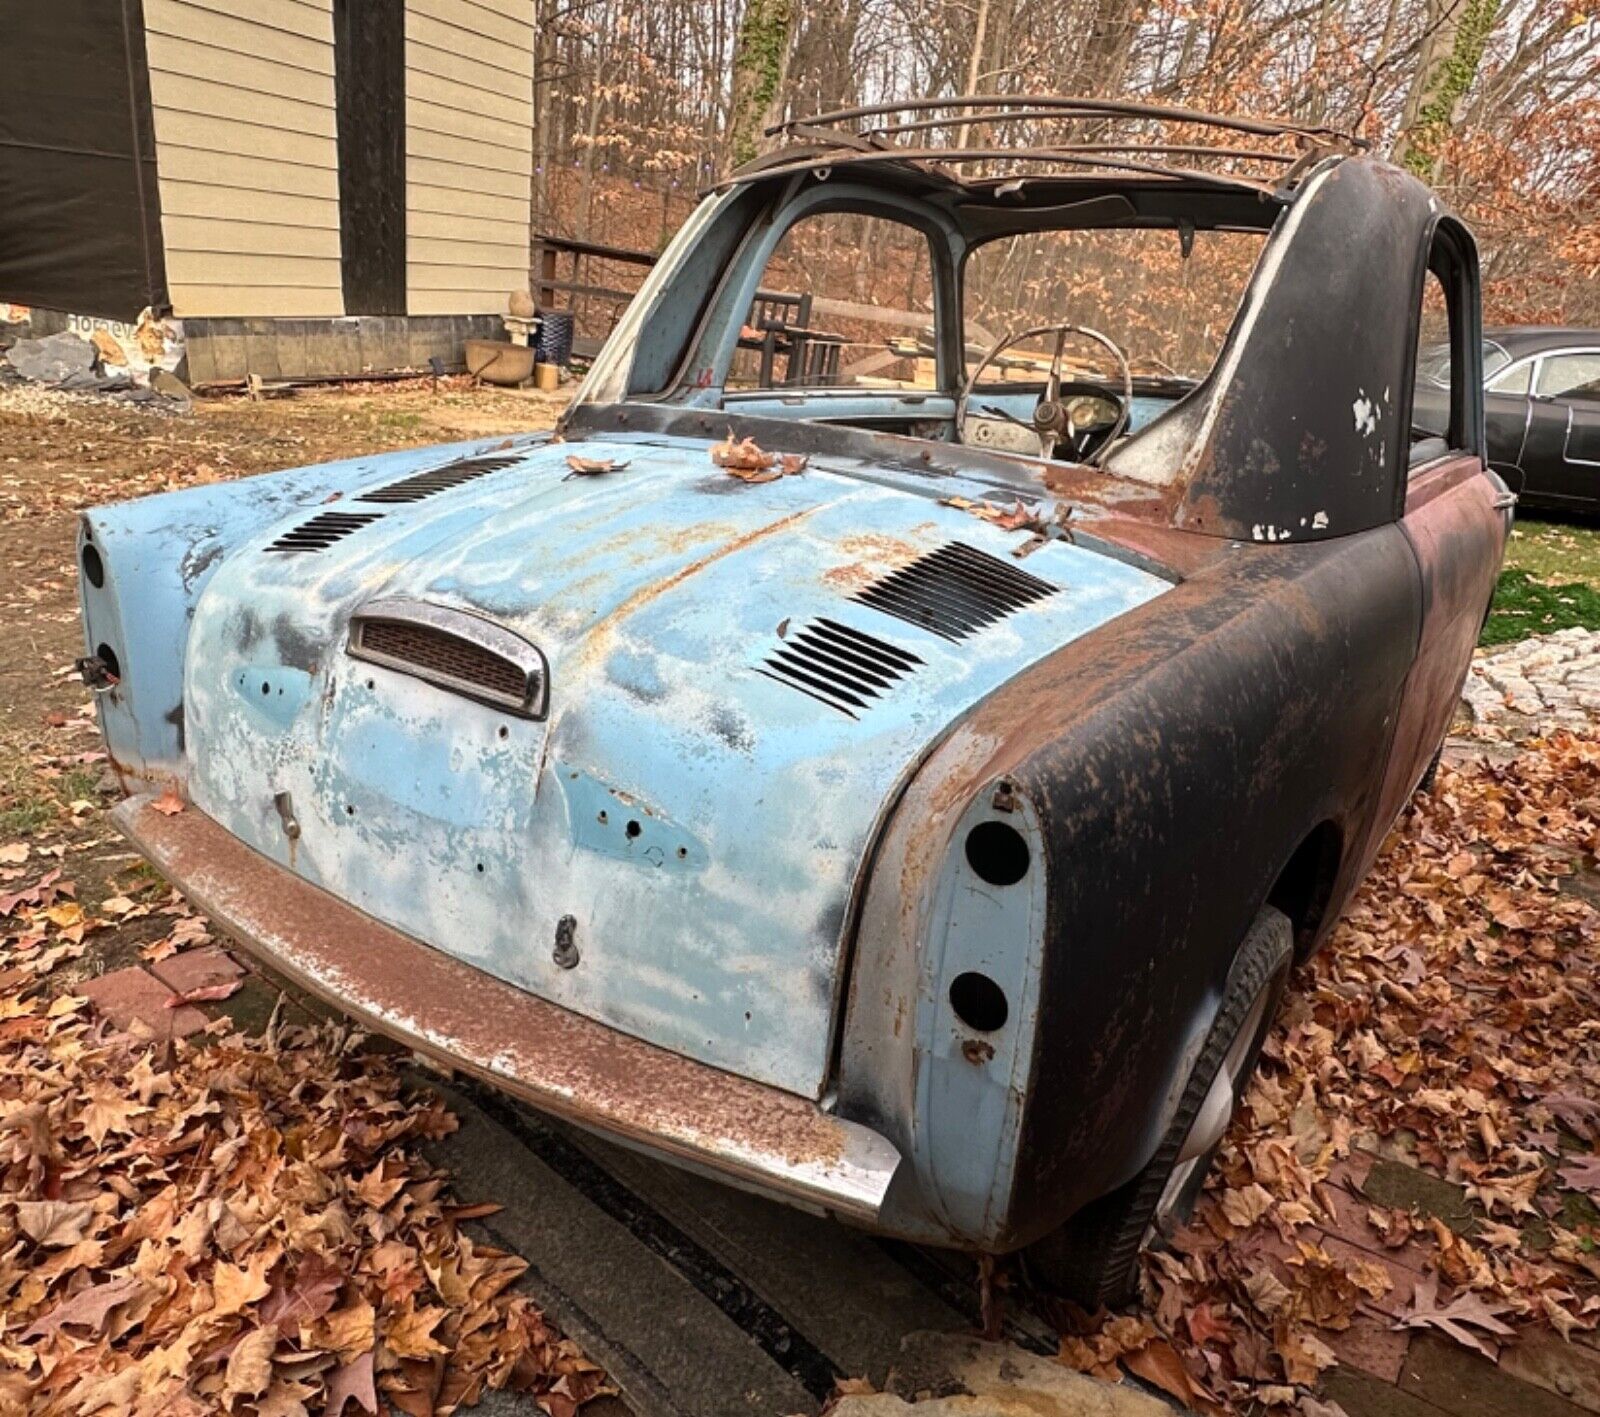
454 649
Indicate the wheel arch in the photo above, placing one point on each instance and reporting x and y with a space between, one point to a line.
1304 888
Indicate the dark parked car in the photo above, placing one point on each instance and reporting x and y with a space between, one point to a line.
1542 411
920 827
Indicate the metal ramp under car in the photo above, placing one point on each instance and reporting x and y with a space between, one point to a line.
703 1301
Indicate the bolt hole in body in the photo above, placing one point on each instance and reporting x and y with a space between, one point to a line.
979 1002
632 830
997 853
94 569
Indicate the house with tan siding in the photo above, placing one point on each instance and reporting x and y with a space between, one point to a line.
311 186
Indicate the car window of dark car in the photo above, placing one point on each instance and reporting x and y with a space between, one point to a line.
846 301
1435 365
1570 376
1514 380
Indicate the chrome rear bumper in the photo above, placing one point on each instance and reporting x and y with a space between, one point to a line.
560 1062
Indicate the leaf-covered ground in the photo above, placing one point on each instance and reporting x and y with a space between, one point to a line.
241 1221
1451 1024
232 1223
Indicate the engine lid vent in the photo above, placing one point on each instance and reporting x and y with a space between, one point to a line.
323 530
836 665
436 479
955 591
455 650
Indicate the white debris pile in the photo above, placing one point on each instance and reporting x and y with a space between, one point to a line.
1544 682
136 361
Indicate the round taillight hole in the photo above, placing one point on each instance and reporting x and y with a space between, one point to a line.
979 1002
997 853
94 569
108 657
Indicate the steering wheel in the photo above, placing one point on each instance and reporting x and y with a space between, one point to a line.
1057 415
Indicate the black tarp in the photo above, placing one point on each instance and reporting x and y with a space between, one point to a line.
80 215
370 97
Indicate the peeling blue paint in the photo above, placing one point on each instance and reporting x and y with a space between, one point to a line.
716 929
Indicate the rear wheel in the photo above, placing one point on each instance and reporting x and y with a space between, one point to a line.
1093 1258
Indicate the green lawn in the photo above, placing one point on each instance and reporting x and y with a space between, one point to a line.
1551 581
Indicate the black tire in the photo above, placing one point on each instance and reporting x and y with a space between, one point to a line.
1094 1258
1426 785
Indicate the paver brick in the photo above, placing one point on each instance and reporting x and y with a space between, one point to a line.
1466 1384
1392 1183
1370 1345
1570 1370
129 996
189 970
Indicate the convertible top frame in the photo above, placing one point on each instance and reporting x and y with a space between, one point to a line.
846 138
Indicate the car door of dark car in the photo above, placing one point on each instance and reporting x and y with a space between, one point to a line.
1505 417
1562 456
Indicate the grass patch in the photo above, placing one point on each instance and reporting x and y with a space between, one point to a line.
1556 551
1551 582
33 800
1524 606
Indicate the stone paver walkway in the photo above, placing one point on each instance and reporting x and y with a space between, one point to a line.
1548 681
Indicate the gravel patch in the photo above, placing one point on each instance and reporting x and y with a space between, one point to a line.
1537 684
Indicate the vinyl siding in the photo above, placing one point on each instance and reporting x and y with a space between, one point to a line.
247 155
469 153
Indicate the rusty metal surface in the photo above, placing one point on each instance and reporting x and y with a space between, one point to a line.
1458 539
1176 760
559 1062
1065 105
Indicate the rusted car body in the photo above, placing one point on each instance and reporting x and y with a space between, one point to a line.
928 869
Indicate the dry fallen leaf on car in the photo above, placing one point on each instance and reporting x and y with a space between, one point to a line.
169 804
593 467
745 459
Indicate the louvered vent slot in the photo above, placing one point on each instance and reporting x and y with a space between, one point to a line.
323 530
443 656
838 666
955 591
437 479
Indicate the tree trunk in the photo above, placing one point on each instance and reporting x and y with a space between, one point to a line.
1458 31
760 65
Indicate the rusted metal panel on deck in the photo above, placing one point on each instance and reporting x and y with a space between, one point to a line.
554 1059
